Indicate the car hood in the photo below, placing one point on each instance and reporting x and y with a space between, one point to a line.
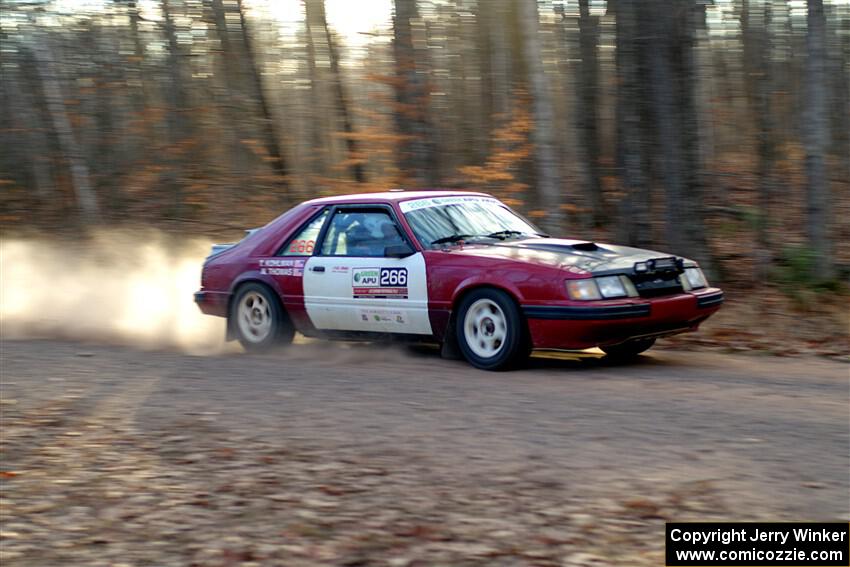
577 256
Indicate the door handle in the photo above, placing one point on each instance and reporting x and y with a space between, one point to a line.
318 268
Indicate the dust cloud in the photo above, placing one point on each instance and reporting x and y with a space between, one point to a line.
124 287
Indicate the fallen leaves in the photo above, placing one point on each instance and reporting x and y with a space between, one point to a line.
188 494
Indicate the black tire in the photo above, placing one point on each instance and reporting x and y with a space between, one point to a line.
628 349
490 329
259 320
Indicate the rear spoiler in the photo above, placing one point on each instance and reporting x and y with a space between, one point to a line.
219 248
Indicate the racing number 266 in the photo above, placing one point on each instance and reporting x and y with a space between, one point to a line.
393 277
302 246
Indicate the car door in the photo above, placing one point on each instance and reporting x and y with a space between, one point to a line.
358 280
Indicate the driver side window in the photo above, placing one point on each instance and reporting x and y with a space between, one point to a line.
360 234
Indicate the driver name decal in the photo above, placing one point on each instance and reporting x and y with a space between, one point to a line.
379 283
282 266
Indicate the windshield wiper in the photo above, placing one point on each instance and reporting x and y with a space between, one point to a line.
503 234
452 238
498 235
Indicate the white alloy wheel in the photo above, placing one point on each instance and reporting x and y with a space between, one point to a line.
254 317
485 328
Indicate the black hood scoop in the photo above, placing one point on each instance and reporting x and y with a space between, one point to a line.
585 246
559 247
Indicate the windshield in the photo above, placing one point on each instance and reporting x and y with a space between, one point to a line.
441 220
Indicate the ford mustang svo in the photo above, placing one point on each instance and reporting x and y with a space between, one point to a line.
458 268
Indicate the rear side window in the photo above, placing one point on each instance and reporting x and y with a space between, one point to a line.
305 241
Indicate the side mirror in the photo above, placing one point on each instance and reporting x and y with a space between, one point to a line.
399 251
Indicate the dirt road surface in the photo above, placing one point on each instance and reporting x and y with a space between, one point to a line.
360 455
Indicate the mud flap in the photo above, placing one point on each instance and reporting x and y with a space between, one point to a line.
229 332
449 349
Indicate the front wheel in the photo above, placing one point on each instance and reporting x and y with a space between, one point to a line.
490 330
628 349
259 319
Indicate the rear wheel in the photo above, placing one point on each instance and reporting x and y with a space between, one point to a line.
628 349
490 330
259 319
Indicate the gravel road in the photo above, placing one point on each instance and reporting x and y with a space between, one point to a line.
360 455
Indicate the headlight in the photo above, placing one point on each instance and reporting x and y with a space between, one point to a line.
696 278
611 286
583 290
605 287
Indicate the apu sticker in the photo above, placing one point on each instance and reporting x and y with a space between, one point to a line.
379 283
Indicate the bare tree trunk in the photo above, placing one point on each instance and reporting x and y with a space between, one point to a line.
543 133
139 94
816 135
665 112
21 113
71 150
108 144
755 25
483 52
270 136
418 151
633 223
573 171
178 120
840 97
501 59
588 110
693 228
231 97
316 109
672 94
316 12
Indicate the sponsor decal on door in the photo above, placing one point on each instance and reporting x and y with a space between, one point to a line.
379 283
383 316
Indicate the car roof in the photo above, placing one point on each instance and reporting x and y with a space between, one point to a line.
389 196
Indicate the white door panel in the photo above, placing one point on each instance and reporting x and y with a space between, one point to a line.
367 294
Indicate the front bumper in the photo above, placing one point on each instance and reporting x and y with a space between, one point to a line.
603 323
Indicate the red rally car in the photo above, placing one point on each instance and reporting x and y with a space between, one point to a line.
458 268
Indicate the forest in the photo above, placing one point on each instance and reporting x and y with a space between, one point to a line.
715 129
